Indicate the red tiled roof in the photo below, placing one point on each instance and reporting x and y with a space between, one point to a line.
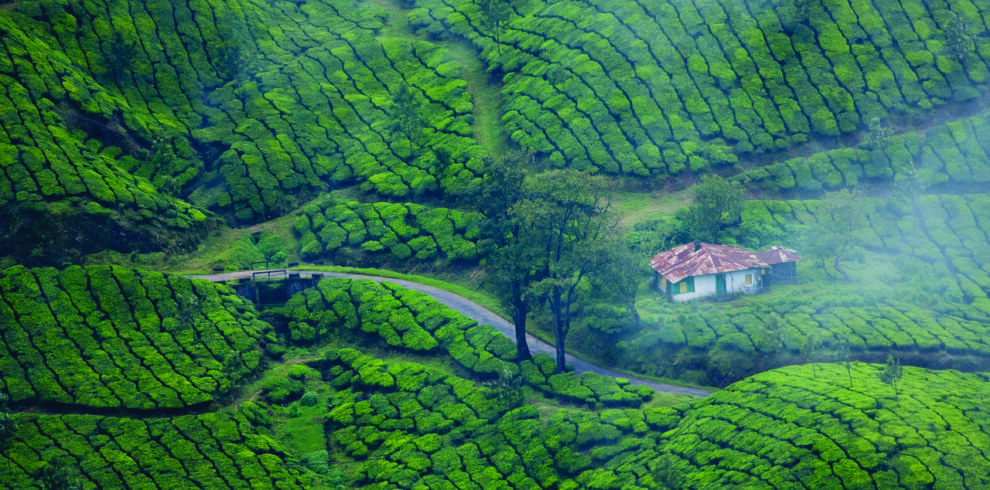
778 255
688 260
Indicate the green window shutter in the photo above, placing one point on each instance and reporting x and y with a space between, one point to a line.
690 284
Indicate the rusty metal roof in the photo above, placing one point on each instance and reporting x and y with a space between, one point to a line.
698 259
778 255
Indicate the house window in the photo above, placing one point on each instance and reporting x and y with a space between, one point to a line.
686 286
749 279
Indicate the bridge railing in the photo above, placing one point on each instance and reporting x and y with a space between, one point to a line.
268 274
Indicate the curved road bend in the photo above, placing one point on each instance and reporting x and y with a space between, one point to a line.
482 315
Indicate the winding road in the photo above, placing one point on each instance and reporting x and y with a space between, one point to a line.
477 312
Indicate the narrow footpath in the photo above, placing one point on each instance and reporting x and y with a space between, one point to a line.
482 315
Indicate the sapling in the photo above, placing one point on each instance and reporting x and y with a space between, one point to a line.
891 373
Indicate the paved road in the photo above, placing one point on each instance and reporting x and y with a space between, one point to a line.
482 315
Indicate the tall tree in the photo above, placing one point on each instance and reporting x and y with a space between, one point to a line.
408 115
845 355
958 36
718 205
839 217
811 349
509 264
57 474
494 15
566 211
892 373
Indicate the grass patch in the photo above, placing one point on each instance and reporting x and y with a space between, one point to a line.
637 207
300 427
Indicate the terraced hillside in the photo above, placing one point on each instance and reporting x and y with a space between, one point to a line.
836 427
918 289
251 108
244 108
664 88
210 450
114 338
400 231
392 422
131 131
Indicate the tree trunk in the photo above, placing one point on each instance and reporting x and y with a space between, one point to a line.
559 330
520 308
498 46
840 269
561 360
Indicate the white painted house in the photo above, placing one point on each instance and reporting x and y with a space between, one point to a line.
697 270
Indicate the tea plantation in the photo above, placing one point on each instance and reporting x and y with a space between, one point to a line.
836 426
402 231
216 450
920 290
140 140
111 337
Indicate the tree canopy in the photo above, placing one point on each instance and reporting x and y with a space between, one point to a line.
718 204
566 223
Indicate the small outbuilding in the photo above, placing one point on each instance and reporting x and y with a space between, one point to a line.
783 265
697 270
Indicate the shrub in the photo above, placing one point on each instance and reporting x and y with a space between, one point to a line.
309 399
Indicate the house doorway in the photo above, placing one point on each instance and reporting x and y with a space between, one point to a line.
720 284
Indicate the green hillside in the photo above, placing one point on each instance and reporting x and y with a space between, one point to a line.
110 337
836 427
210 450
141 139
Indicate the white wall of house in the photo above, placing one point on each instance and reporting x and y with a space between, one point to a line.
703 286
735 282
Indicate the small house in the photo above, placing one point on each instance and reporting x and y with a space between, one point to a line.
783 265
697 270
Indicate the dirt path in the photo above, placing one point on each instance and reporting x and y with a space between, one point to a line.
477 312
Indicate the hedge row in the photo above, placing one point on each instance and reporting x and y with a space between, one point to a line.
49 164
214 450
403 318
588 388
330 114
414 321
61 130
934 228
107 336
408 425
402 231
951 153
167 88
637 87
829 428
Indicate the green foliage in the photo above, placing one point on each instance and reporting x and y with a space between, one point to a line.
388 232
947 152
787 427
565 227
284 390
718 204
914 289
363 310
449 430
892 373
201 451
758 80
589 388
110 337
124 77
